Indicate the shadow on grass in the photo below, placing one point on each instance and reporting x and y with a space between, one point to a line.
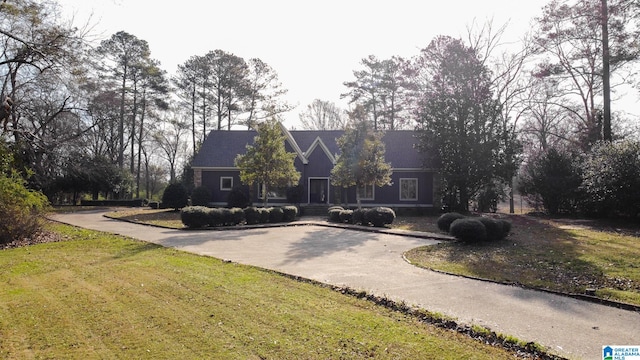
536 254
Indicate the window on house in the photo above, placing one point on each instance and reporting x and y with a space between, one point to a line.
409 189
274 192
366 192
226 183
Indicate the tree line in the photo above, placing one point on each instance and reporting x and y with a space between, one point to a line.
109 121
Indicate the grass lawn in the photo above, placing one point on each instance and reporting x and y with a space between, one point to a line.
96 296
560 255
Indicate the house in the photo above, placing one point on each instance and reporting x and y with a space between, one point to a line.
316 154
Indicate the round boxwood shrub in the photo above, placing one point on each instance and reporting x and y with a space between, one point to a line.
194 216
381 216
276 215
252 215
265 214
334 215
346 216
358 217
506 226
469 230
236 216
445 220
494 228
290 213
201 196
175 196
335 208
216 217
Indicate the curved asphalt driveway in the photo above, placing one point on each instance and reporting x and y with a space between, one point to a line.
373 262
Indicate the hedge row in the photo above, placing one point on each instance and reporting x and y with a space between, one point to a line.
378 216
201 216
474 229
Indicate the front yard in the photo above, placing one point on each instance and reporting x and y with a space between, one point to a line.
569 256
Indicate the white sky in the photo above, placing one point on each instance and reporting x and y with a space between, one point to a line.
314 46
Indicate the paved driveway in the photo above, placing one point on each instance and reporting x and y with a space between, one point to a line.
373 262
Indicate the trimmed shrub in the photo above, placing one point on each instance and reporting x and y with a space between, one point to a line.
381 216
201 196
252 215
276 215
334 215
236 216
265 214
195 216
445 220
290 213
175 196
216 217
494 228
506 226
238 198
469 230
346 216
358 217
335 208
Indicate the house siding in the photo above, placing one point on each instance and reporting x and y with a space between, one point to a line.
314 161
211 180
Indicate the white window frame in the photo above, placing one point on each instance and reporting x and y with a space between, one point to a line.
373 192
415 181
222 179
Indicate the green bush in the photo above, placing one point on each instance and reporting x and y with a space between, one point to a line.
334 215
335 208
201 196
216 217
469 230
195 216
290 213
445 220
494 228
381 216
252 215
265 214
21 209
175 196
506 226
238 198
346 216
236 216
276 215
227 216
358 217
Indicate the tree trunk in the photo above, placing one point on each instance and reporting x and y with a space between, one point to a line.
606 84
121 120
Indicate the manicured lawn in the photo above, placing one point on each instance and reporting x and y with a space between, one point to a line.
560 255
96 296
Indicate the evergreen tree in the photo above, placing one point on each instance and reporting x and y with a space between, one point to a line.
267 162
361 162
459 121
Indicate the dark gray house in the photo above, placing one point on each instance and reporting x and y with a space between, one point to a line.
317 152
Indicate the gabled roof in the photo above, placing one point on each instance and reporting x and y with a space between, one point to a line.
221 147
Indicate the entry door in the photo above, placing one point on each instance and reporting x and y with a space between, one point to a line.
319 191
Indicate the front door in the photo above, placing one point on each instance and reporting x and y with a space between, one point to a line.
318 191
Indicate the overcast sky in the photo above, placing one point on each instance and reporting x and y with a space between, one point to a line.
314 46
